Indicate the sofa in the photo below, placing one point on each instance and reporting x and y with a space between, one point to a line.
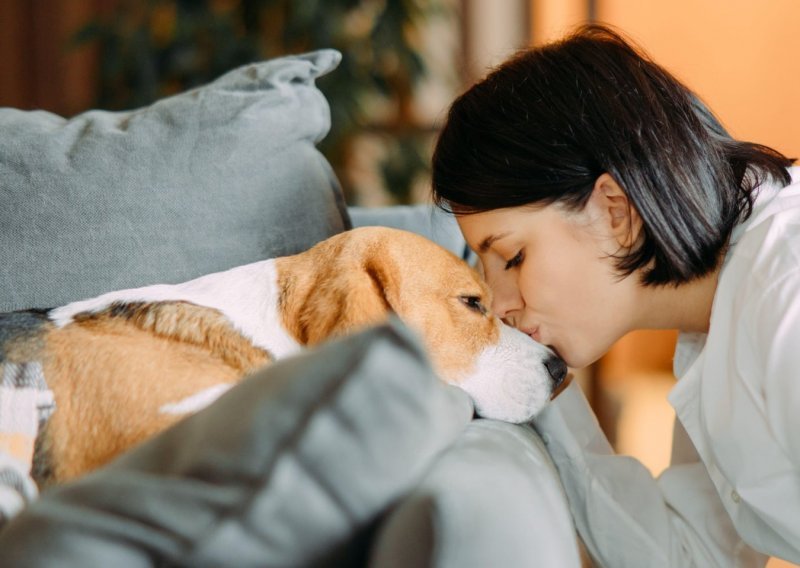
352 453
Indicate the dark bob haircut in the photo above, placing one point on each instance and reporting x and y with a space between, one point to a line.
543 126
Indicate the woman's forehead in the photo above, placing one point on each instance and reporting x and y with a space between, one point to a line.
484 230
498 222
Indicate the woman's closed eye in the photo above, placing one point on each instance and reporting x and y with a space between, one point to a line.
516 261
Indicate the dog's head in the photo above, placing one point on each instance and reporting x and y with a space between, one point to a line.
357 278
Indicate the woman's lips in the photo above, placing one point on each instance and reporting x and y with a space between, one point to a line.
533 333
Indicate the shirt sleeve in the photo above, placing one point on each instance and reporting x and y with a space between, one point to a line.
778 341
776 338
625 516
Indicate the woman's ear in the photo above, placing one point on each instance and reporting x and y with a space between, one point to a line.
612 212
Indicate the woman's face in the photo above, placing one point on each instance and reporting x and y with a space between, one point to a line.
552 277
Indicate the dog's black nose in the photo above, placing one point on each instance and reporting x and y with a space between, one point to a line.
557 369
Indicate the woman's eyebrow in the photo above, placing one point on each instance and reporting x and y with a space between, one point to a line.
489 241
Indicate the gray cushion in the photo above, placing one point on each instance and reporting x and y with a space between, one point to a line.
492 499
216 177
293 467
426 220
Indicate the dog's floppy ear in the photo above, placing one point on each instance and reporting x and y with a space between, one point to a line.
332 290
385 277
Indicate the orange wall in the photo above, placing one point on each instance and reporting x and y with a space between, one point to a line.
740 56
550 19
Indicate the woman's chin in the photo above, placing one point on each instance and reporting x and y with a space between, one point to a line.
577 360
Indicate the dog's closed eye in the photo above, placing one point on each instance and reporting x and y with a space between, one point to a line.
474 303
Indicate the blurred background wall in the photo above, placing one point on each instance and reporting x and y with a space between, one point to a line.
738 55
405 60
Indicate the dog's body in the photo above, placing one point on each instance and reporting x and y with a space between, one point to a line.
127 364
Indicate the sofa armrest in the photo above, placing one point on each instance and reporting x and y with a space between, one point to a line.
493 498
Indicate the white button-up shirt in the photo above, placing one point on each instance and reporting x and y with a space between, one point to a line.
733 486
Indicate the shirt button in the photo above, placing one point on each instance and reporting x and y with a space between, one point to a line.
545 438
735 496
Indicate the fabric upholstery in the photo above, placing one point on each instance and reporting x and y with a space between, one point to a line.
216 177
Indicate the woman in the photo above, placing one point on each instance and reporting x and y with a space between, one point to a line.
602 196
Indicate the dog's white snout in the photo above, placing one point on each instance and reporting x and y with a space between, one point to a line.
514 379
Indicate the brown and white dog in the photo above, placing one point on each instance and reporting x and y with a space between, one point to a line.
125 365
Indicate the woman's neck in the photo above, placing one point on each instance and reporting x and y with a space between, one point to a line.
686 307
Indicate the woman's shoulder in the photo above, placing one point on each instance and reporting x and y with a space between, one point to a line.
767 244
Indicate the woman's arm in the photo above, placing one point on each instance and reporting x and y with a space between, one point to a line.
625 516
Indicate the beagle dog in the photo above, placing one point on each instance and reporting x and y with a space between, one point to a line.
127 364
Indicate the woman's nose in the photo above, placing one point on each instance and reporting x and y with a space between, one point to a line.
507 298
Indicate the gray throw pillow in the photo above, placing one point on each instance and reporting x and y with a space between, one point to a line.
216 177
292 467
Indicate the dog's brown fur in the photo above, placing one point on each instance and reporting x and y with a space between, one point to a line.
176 349
377 272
